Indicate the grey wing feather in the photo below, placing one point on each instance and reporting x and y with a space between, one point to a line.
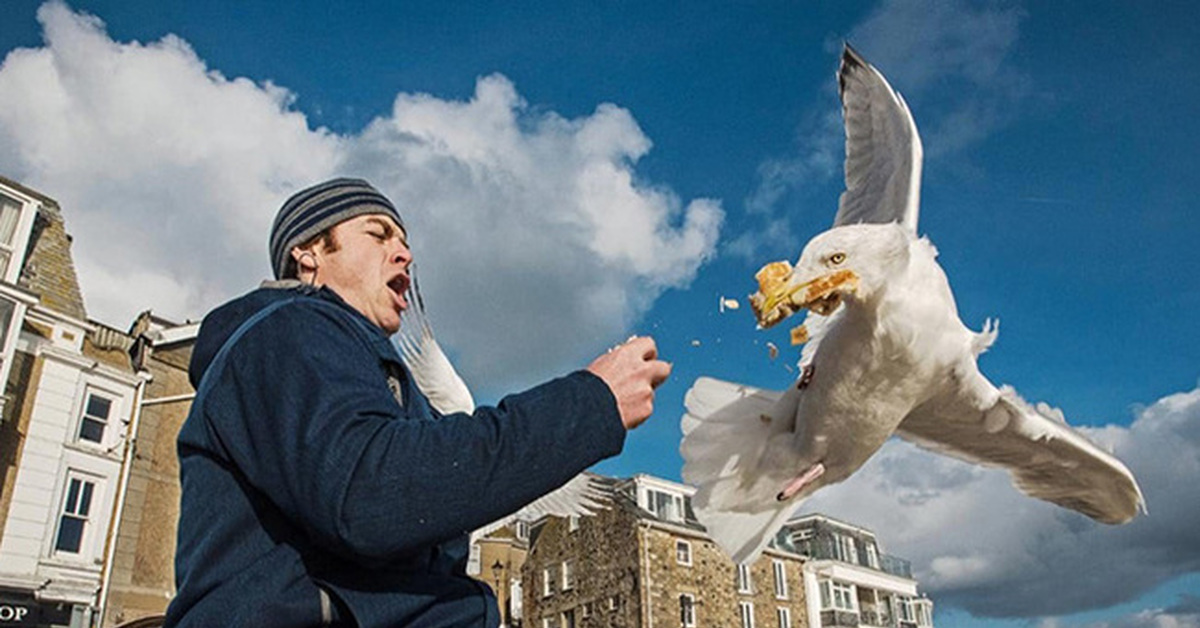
582 495
1046 458
883 149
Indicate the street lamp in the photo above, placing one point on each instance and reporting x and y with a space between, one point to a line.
497 570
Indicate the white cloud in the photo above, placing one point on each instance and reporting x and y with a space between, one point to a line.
977 543
537 242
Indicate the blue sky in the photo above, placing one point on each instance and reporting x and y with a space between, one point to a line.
576 172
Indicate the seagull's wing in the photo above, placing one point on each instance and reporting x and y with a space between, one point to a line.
1048 460
582 495
883 149
430 367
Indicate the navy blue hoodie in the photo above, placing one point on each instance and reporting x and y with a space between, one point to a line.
318 482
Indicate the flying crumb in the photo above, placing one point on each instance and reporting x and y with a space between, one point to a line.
695 343
799 334
727 303
772 350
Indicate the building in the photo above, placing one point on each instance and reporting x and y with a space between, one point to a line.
849 581
139 567
646 561
68 397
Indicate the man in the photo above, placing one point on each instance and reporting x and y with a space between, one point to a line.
319 487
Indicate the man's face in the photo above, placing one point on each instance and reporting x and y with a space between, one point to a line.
368 268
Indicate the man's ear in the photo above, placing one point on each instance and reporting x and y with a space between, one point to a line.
306 260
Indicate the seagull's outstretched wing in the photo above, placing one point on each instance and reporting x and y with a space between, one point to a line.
1047 458
582 495
430 367
883 150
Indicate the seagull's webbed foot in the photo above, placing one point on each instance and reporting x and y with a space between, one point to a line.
806 478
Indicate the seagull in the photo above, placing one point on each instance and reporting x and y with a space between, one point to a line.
886 354
436 377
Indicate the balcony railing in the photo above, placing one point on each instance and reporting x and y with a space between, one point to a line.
826 549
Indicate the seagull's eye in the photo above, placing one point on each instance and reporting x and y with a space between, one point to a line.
837 258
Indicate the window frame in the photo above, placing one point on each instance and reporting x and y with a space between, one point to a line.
681 544
783 616
90 490
745 583
568 574
779 569
746 614
687 610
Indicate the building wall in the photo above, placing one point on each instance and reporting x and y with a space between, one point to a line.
142 581
622 555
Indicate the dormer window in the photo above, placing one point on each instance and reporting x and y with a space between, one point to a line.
16 217
664 505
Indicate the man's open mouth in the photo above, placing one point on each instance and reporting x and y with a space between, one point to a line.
399 285
778 299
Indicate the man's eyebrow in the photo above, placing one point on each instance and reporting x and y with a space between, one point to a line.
387 226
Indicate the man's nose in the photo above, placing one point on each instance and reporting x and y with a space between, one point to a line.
402 255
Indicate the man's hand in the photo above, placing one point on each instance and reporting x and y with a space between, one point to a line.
632 371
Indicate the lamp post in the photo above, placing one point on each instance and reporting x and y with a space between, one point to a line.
497 571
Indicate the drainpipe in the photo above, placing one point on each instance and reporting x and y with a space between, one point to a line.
144 377
646 588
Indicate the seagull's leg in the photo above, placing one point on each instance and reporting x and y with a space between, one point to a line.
806 478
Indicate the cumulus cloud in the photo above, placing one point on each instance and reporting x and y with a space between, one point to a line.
977 543
537 242
948 58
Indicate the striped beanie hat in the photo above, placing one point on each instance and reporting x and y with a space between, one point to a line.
314 209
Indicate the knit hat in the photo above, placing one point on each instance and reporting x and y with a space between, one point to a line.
314 209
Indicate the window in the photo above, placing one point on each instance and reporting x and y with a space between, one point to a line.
568 618
95 417
585 610
667 506
522 530
10 216
924 610
746 610
548 582
683 553
572 522
847 552
872 556
614 602
549 622
743 579
687 610
473 561
781 589
568 575
837 596
73 522
784 616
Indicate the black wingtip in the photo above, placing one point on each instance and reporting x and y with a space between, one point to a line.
851 61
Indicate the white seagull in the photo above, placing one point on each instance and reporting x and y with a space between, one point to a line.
447 392
886 354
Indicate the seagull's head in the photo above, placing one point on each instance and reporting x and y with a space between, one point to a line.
852 263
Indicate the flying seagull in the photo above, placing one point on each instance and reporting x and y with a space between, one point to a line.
886 354
448 393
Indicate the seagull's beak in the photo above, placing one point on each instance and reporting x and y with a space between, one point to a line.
780 294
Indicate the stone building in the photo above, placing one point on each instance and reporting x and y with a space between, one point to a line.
646 561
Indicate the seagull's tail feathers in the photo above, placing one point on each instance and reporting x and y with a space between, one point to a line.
983 340
727 431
